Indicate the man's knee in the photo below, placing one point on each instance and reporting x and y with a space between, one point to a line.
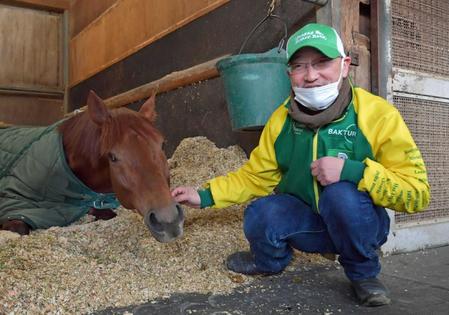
254 217
264 213
340 200
339 191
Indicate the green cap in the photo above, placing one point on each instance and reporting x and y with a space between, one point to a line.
318 36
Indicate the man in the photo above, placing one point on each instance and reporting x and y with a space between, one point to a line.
336 156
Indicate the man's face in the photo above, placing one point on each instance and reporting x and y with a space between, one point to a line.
310 68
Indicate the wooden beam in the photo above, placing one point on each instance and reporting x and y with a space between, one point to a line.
31 91
201 72
51 5
374 46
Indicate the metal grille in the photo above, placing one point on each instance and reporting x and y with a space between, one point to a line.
420 35
428 123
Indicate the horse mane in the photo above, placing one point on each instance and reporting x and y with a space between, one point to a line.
83 137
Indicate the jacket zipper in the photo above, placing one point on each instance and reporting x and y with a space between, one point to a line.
315 157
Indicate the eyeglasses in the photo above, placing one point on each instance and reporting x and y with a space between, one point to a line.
301 67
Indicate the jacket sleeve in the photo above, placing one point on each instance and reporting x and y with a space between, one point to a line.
397 178
257 177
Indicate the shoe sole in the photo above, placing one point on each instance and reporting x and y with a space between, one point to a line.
376 300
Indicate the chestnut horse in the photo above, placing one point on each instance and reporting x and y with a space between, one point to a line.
114 153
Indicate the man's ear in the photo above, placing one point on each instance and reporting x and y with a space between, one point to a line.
148 109
346 65
97 109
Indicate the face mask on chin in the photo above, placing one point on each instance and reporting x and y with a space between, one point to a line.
321 97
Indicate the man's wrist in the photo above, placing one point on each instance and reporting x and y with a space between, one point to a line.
352 171
207 200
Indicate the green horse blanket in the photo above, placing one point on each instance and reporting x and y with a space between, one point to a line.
36 184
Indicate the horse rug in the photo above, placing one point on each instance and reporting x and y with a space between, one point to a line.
37 185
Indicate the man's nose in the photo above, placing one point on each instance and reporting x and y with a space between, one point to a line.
311 74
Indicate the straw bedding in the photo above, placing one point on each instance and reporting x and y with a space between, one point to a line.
92 265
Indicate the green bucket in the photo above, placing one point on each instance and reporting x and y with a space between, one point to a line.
255 85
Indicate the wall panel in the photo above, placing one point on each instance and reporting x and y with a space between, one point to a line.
126 27
30 110
30 49
83 12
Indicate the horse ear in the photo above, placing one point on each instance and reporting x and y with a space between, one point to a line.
97 109
148 108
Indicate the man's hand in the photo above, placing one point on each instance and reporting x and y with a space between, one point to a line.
327 170
187 196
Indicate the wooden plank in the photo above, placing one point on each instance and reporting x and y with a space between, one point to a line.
374 46
8 90
169 82
349 13
33 111
83 12
51 5
413 82
125 28
30 47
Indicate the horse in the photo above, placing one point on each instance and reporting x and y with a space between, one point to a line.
88 163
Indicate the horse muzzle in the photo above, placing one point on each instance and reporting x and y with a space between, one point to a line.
162 230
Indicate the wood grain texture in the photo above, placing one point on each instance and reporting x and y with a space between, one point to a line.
83 12
51 5
30 48
125 28
33 111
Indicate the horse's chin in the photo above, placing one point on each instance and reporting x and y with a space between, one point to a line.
165 237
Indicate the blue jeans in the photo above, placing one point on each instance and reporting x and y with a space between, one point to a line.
348 225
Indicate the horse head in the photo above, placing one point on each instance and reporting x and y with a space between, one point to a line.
131 151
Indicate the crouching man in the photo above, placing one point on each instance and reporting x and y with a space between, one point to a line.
336 156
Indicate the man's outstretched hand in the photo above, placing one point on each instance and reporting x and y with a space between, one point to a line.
187 196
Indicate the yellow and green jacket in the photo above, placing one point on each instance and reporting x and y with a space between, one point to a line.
381 158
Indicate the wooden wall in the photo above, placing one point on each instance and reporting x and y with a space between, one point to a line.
355 29
30 48
84 12
122 28
199 109
351 18
31 59
30 110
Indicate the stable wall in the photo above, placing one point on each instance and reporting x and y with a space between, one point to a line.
199 109
122 28
31 59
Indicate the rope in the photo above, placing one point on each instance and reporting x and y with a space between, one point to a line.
272 5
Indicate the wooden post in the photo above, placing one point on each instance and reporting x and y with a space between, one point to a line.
171 81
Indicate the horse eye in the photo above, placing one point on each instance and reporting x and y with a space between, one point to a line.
112 157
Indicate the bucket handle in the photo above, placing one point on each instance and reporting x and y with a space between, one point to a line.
270 15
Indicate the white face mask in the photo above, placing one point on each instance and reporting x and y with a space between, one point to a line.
321 97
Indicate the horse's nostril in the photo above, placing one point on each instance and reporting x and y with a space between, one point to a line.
180 213
155 224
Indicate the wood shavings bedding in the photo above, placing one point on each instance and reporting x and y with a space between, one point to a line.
92 265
